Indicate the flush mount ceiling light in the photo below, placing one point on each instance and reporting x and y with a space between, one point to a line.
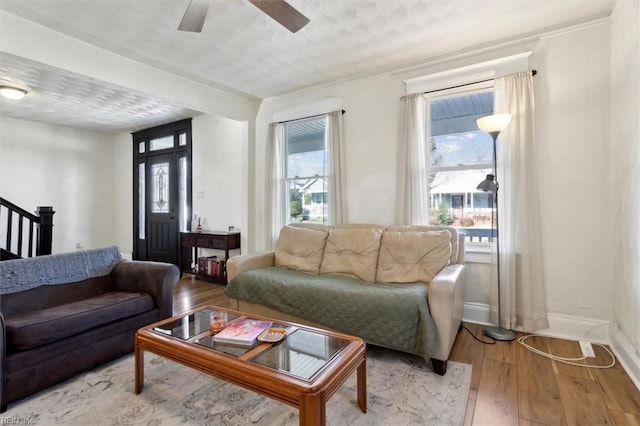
13 93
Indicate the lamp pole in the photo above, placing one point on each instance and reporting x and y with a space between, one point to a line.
493 125
497 333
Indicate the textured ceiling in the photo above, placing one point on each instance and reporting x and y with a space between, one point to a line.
243 51
58 96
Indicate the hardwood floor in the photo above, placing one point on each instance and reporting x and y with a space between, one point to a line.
510 385
514 386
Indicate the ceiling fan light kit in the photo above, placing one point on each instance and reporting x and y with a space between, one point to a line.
279 10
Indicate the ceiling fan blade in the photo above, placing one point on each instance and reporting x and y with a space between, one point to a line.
281 11
194 17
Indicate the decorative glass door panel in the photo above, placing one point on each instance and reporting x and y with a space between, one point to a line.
183 191
142 212
160 188
163 209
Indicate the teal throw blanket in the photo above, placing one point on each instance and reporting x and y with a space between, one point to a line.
390 315
24 274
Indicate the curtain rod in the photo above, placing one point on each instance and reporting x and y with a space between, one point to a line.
305 118
533 73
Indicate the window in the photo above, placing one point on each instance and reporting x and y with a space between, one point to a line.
307 168
163 142
459 158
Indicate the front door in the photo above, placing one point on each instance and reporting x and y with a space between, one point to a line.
162 208
162 190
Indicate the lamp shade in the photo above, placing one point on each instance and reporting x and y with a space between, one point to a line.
494 123
13 93
488 185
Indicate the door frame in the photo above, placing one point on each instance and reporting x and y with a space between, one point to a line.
141 152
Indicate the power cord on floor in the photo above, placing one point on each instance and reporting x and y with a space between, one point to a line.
492 342
570 361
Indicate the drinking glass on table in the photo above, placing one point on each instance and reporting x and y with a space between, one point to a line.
218 321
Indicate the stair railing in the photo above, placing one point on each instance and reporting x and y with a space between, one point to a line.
19 225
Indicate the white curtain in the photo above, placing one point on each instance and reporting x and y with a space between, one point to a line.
523 294
337 206
411 182
275 186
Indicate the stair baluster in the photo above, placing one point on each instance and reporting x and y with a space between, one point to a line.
43 219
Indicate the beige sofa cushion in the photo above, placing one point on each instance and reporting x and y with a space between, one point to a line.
361 225
314 226
426 228
409 257
300 249
352 251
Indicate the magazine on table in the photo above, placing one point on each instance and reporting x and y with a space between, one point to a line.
243 331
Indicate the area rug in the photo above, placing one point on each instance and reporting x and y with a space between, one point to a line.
400 391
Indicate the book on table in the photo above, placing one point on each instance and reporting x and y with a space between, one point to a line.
243 331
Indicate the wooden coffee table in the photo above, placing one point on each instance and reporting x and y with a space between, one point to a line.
303 370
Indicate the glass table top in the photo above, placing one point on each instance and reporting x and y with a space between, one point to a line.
302 353
233 350
190 325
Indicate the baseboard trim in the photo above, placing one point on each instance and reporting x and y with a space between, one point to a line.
560 326
476 313
577 328
627 355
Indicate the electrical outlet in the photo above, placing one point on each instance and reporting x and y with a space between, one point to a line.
587 349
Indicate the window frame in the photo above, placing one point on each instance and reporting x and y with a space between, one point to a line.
289 180
483 86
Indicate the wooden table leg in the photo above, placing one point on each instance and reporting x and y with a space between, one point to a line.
139 369
362 385
312 410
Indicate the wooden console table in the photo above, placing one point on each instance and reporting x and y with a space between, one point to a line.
217 240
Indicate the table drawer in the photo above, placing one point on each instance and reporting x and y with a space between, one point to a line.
188 240
211 242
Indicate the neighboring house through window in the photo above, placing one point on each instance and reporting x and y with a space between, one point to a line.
459 156
307 170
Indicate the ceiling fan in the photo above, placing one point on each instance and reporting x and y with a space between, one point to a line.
281 11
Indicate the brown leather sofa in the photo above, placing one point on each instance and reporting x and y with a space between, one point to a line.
51 333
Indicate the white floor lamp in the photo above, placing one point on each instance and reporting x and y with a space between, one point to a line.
494 124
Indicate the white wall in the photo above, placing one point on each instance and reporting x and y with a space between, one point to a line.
69 169
625 183
123 197
572 130
217 171
572 97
